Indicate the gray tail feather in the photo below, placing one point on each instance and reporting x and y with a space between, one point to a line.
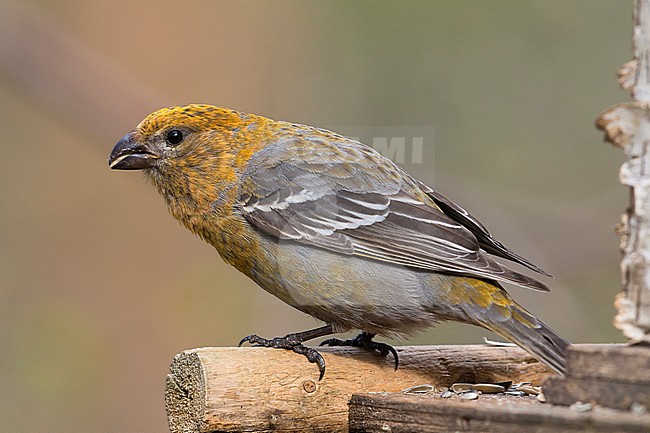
540 341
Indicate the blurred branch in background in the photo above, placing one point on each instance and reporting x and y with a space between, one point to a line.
59 71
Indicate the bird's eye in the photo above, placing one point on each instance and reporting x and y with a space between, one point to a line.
174 137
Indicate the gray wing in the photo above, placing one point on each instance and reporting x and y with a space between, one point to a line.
340 195
485 239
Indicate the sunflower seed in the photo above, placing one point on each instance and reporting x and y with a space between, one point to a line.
419 389
529 389
498 343
461 387
470 395
579 406
488 388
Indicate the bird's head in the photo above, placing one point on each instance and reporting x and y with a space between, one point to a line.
176 135
192 154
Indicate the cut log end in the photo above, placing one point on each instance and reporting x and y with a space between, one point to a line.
185 393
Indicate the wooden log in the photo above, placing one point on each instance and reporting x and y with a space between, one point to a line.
423 414
263 390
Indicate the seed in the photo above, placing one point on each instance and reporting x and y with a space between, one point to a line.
529 389
579 406
488 388
461 387
419 389
470 395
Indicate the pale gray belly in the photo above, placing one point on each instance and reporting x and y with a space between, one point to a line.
352 292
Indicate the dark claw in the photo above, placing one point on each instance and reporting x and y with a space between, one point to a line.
312 356
255 340
365 341
289 342
385 349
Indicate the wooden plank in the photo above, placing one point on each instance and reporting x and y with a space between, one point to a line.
566 391
264 390
615 376
615 362
416 414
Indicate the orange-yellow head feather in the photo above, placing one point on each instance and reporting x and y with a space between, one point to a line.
193 154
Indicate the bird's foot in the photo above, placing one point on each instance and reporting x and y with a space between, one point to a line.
364 341
289 342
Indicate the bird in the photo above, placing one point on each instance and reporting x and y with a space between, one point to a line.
334 229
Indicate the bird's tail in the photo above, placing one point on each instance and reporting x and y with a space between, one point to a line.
534 336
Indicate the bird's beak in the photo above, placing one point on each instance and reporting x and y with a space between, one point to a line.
130 154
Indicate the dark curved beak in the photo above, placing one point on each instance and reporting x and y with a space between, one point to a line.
130 154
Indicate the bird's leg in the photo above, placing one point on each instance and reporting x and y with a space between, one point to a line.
365 341
294 342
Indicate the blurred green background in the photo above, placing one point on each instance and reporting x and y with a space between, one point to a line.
100 287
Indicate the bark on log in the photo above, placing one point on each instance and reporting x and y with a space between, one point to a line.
628 126
263 390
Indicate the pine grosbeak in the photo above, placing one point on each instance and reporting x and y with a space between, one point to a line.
332 228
